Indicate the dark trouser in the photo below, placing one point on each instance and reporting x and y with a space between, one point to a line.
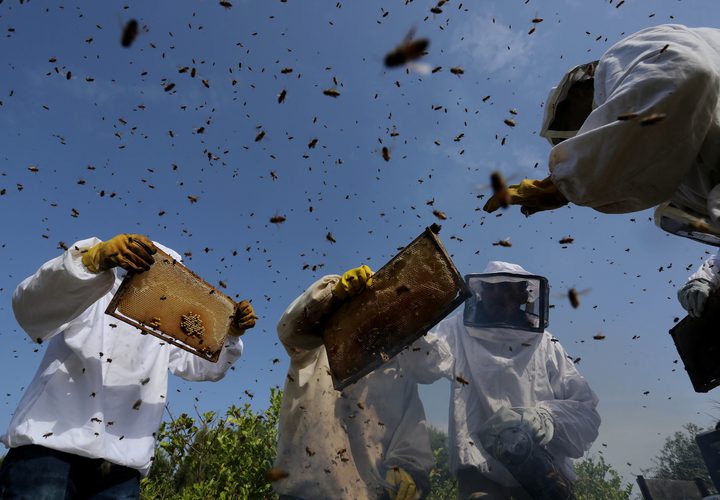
37 473
472 484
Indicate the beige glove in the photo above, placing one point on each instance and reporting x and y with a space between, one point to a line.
243 319
532 195
536 421
353 282
132 252
401 485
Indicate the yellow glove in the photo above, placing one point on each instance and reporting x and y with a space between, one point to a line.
243 319
401 485
132 252
532 195
353 282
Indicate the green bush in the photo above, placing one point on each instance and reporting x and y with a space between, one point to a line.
597 479
218 458
680 457
443 485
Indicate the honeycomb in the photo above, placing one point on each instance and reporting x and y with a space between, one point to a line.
174 304
409 295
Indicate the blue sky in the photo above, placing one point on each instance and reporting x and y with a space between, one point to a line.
122 133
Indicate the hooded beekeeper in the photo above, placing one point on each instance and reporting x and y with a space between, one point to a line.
519 408
85 425
640 128
369 441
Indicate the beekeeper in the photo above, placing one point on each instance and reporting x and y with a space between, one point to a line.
368 441
509 379
639 128
85 425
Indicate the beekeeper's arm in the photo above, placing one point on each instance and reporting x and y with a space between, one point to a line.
619 166
59 293
694 294
574 410
191 367
431 357
408 458
300 327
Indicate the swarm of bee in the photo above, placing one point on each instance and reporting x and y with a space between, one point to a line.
192 325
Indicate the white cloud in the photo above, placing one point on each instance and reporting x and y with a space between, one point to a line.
494 47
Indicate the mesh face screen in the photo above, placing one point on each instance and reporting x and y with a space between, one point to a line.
409 295
171 302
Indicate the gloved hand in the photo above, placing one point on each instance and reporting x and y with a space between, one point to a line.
353 282
694 295
243 319
401 485
132 252
537 422
532 195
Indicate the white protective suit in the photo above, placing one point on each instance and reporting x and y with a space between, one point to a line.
340 445
101 387
504 368
622 166
710 271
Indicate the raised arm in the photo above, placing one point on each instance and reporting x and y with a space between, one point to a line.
60 292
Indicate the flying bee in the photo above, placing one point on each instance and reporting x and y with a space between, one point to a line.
652 119
275 474
499 188
627 116
129 33
260 136
409 50
599 336
462 380
277 219
386 153
331 92
566 240
574 296
457 70
227 5
503 243
330 238
281 96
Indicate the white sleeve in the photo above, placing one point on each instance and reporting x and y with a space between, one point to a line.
622 166
194 368
710 271
300 327
59 293
574 409
430 357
